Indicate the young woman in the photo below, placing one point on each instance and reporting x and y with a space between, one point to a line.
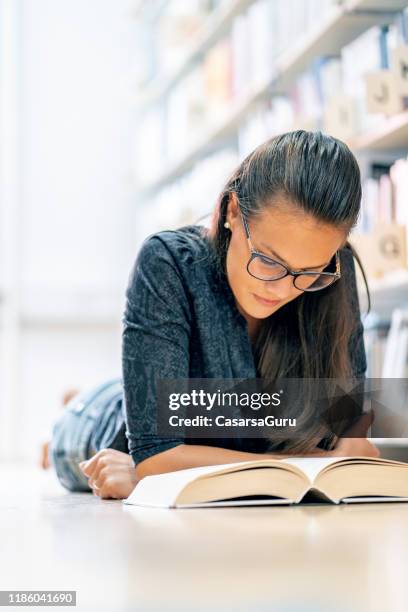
268 291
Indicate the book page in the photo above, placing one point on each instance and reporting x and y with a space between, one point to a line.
368 499
240 502
311 466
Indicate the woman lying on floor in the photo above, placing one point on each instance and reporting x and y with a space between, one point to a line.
268 291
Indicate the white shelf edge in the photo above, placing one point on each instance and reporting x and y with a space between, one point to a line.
385 135
375 5
394 442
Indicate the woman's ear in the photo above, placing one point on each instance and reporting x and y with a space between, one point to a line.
233 210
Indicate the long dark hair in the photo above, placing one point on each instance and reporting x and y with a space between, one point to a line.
308 337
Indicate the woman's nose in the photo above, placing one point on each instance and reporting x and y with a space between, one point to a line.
280 289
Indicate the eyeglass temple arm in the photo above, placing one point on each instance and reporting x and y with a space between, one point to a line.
337 263
246 228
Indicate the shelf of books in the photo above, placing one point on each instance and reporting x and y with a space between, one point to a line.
224 76
209 95
214 27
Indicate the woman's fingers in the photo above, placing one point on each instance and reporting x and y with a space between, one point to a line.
88 467
92 466
95 490
99 478
102 463
100 466
111 474
110 464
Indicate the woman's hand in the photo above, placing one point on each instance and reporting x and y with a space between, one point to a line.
357 444
111 474
355 447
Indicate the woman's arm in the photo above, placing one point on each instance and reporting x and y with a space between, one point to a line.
194 455
188 455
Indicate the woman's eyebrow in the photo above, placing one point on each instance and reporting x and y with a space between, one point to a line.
275 255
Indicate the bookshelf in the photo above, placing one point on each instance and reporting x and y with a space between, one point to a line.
217 25
341 26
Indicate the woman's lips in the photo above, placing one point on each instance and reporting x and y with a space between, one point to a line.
264 301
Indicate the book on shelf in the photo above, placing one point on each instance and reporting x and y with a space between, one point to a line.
399 178
218 76
376 328
276 481
381 235
396 351
382 250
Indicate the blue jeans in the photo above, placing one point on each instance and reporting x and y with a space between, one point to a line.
90 421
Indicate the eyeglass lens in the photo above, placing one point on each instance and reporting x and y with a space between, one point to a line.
264 269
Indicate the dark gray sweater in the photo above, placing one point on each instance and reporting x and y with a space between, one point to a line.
181 321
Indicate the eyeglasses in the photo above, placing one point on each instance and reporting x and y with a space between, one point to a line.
263 267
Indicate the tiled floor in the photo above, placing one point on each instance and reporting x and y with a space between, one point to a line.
315 558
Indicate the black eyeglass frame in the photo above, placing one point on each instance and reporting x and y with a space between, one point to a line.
254 253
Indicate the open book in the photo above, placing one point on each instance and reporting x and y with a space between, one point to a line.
281 481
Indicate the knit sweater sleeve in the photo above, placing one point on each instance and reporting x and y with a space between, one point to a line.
155 343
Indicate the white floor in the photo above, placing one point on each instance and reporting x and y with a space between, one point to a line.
315 558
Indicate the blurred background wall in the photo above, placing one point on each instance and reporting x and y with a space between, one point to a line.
68 204
123 117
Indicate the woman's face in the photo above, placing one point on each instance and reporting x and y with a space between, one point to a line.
289 236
